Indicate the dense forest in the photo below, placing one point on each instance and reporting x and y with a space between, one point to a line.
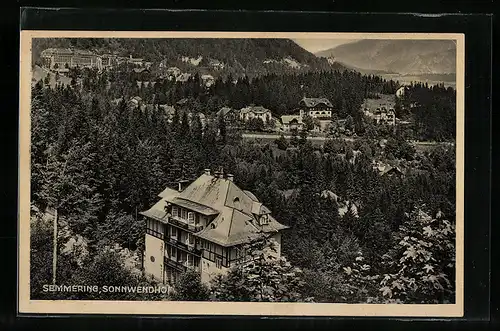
279 93
430 109
99 163
239 56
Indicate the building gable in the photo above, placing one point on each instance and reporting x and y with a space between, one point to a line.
315 102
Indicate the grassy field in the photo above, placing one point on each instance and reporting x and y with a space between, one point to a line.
266 138
387 100
270 138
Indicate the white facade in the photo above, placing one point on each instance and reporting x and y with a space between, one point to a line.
249 113
401 91
153 257
320 113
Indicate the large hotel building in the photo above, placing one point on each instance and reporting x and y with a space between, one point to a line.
69 58
204 227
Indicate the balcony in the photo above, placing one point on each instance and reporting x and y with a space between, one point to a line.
180 265
156 234
181 223
183 246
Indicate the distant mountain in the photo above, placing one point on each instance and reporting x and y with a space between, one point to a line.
209 56
364 71
414 57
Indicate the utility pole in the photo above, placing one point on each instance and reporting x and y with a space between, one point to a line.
54 254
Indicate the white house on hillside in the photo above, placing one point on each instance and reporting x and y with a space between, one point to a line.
250 112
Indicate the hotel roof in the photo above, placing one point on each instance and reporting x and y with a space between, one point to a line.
236 211
286 119
66 51
313 102
255 110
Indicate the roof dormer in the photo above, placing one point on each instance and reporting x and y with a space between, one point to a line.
264 219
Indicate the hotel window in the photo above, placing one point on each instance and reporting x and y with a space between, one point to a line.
175 211
173 232
190 217
264 220
183 213
218 262
190 239
236 202
173 255
190 260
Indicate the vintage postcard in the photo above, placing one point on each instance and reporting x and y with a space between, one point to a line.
221 173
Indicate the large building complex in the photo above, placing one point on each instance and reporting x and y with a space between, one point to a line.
204 227
60 58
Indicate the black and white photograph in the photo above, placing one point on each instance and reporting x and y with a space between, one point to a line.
242 173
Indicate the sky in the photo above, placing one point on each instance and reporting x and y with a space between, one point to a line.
316 45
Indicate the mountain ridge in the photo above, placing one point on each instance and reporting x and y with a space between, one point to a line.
236 57
398 56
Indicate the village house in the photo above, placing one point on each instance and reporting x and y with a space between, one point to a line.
208 80
204 227
184 77
343 206
320 109
388 170
145 83
135 61
383 115
173 72
230 115
400 92
251 112
216 64
292 123
316 107
135 102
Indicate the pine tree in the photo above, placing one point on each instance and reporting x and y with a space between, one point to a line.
184 126
175 125
222 129
196 128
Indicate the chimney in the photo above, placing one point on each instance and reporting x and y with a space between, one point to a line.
220 173
182 184
206 172
230 177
